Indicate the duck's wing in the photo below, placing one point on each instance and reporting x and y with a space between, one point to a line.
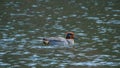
57 41
57 38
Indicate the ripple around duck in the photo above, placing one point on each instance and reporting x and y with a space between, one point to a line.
49 47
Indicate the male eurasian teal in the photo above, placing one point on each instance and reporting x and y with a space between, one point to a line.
69 40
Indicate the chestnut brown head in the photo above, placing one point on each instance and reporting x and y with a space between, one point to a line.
69 35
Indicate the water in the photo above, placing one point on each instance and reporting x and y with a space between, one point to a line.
96 25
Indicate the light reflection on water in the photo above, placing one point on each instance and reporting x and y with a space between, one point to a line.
23 24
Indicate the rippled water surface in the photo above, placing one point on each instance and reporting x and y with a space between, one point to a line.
23 24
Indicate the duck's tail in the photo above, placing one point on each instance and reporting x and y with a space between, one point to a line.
45 41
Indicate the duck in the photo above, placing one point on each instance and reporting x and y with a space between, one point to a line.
68 40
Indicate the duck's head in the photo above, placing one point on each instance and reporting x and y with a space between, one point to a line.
69 35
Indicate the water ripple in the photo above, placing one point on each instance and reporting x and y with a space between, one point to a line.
94 64
95 24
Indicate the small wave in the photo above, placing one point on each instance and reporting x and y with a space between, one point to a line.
52 46
95 64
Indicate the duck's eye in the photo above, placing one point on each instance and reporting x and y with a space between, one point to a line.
68 35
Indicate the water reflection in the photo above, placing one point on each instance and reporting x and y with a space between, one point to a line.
95 23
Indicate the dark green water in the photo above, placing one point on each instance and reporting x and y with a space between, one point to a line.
96 24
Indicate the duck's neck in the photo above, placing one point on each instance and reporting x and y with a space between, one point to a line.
70 41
